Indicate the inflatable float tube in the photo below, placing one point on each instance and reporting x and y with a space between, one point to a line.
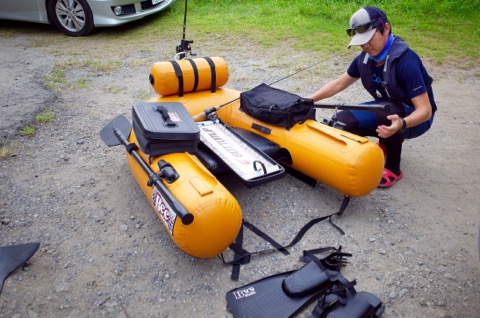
201 216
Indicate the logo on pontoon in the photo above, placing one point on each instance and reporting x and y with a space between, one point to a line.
167 215
247 292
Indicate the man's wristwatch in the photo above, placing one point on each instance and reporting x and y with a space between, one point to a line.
404 127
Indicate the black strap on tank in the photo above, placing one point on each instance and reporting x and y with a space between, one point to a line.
213 87
195 73
178 72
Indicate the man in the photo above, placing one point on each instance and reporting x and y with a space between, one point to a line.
389 71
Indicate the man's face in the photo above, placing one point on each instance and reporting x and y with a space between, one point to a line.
377 42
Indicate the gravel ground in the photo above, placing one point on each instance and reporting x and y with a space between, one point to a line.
103 251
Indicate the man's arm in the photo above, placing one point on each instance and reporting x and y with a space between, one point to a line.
333 87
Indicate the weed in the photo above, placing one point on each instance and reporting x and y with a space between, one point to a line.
6 151
28 131
45 117
82 82
57 75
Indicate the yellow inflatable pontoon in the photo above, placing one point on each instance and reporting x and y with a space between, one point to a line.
172 156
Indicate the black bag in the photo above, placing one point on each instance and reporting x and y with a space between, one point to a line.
162 128
275 106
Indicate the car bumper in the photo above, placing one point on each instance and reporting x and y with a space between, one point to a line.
132 10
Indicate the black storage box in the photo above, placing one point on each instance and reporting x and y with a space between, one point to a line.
162 128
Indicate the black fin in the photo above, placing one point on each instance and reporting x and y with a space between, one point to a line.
12 257
284 294
265 299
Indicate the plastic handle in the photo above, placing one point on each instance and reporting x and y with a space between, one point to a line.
166 116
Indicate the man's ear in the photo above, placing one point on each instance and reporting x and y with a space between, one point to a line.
387 28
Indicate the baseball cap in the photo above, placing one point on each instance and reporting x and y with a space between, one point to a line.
370 17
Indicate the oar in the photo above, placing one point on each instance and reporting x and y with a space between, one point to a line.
116 133
379 108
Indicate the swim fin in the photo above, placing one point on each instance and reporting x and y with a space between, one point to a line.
283 295
265 298
12 257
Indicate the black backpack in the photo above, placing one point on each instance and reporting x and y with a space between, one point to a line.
275 106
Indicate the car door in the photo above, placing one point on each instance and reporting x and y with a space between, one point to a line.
24 10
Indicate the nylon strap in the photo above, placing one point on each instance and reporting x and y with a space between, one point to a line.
337 294
241 256
213 87
195 73
178 72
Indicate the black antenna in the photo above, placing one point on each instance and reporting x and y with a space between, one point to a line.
184 49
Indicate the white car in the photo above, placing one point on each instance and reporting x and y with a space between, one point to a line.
80 17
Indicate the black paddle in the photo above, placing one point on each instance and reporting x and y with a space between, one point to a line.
115 133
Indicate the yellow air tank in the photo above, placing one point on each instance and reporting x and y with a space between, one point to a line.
192 75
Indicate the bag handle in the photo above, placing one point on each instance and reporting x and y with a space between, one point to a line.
166 116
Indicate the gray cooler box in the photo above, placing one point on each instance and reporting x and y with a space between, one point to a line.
162 128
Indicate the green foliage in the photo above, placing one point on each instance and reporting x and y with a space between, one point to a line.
57 75
28 131
441 30
82 82
45 117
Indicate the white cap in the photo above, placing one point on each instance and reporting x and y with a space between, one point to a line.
364 16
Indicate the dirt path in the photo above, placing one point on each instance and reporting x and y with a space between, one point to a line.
105 254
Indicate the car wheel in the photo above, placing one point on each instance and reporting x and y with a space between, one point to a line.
73 17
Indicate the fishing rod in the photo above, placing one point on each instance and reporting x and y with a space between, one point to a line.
184 49
378 108
333 121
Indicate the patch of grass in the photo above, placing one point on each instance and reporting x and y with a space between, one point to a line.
28 130
46 116
6 151
82 82
57 75
98 66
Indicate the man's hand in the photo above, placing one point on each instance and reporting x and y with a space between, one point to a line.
384 131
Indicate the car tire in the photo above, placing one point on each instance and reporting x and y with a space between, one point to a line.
73 17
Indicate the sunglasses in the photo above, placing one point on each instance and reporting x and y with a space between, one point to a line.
363 27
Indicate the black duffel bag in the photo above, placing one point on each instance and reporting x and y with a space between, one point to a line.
275 106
